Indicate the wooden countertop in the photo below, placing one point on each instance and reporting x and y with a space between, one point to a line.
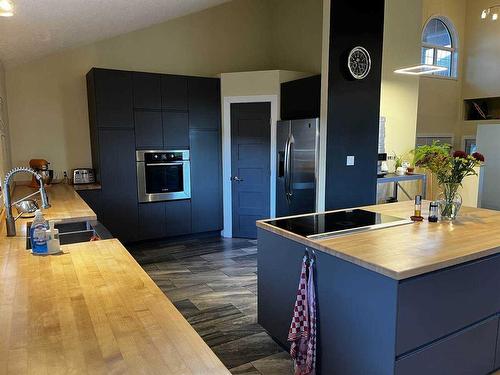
414 249
90 310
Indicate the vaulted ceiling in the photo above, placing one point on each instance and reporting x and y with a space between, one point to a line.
40 27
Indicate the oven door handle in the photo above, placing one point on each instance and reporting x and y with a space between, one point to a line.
162 164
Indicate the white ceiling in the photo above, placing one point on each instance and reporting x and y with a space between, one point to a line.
39 27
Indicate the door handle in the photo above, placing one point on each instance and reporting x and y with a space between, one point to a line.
237 179
286 166
291 143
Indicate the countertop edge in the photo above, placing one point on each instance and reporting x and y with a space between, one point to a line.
418 271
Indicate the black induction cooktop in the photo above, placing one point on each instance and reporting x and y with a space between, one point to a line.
338 222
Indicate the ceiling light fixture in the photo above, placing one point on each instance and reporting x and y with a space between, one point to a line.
493 10
418 70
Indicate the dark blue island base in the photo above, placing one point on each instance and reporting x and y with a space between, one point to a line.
442 322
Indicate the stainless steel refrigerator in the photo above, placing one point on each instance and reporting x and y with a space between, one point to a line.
296 184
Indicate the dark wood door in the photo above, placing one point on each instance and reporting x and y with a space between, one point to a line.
147 90
113 95
152 222
175 130
174 92
250 166
206 192
119 183
178 217
148 129
204 103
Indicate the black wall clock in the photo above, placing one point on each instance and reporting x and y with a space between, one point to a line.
359 62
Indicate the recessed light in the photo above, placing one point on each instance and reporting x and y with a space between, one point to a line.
6 6
421 69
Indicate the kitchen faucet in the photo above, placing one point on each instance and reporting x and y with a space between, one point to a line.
9 218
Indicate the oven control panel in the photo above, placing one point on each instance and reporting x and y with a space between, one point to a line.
162 157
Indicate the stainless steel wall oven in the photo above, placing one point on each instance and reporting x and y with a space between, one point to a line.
163 175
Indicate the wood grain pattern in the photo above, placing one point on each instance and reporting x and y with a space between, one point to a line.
90 310
411 250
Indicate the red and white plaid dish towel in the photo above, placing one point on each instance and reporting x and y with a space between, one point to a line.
302 332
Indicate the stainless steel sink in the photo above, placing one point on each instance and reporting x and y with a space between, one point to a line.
75 232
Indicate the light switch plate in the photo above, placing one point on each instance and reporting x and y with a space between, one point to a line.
350 161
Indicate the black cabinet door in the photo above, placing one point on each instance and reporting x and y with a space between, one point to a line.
174 92
175 130
119 183
204 103
147 90
113 94
148 129
93 199
152 221
206 192
178 217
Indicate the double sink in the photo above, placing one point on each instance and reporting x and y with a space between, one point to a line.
75 232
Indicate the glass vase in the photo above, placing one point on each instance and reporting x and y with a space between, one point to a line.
450 201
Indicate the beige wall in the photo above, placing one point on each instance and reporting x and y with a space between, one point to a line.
482 67
440 108
482 61
5 157
399 95
47 97
297 27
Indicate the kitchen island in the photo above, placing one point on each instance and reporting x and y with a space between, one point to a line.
422 298
91 309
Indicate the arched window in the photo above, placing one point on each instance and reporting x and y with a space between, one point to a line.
439 46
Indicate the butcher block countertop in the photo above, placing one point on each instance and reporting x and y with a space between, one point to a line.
91 309
414 249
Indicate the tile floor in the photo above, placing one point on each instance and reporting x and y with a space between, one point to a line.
213 283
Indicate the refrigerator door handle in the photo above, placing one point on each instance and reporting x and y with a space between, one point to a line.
291 143
287 156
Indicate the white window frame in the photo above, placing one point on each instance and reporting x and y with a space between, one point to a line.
453 49
436 136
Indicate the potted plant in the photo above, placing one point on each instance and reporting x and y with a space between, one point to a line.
450 169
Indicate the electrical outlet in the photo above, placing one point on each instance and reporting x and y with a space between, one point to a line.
350 161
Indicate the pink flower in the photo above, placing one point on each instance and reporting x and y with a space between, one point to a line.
478 156
460 154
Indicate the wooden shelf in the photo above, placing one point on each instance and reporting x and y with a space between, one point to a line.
477 109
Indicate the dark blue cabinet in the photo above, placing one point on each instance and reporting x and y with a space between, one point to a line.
434 305
164 219
174 92
471 351
497 356
175 130
152 221
93 199
119 184
147 90
135 110
178 217
113 98
204 103
148 129
206 192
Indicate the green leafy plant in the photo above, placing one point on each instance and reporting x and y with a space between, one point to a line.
450 170
446 166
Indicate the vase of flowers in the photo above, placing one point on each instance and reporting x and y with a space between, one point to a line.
450 169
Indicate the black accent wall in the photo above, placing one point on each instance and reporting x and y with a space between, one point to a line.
353 105
301 98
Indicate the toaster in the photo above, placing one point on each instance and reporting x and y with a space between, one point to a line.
83 176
